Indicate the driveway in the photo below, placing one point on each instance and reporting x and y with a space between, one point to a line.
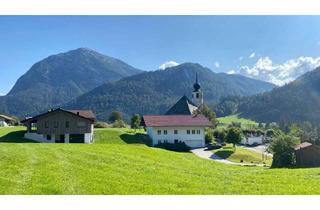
207 154
259 149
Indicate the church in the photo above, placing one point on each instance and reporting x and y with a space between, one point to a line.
179 123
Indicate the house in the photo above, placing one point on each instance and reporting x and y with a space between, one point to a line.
251 139
180 123
61 126
6 120
307 155
189 129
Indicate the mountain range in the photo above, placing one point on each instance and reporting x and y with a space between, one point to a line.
85 79
154 92
297 101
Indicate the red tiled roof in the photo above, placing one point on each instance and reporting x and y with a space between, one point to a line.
175 120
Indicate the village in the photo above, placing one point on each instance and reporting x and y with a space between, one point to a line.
187 126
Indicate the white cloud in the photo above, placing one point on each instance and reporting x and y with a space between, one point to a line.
168 64
280 74
231 72
217 64
252 55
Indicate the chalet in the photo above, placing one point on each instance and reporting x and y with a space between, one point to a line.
6 120
307 155
61 126
180 123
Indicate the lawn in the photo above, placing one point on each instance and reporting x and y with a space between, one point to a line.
245 123
119 163
247 156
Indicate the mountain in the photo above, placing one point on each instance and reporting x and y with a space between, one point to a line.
60 78
154 92
297 101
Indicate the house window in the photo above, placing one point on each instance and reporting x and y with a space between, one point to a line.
188 131
67 124
175 131
56 124
193 131
165 132
48 137
176 141
159 132
198 131
46 124
197 95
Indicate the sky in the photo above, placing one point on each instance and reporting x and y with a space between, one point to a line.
276 49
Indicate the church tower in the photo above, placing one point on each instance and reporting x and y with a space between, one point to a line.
197 95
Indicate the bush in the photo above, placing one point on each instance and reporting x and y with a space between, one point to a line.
282 148
102 125
119 124
209 138
178 147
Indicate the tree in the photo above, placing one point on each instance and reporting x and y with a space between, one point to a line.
220 135
233 136
208 113
115 116
135 121
282 148
209 137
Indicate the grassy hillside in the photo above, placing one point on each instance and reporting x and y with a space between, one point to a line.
245 123
119 164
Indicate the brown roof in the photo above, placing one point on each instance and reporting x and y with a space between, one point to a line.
84 113
303 145
6 117
175 120
87 114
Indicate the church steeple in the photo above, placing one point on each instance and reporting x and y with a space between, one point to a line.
197 95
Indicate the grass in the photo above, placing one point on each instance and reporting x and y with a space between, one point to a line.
124 165
245 123
247 156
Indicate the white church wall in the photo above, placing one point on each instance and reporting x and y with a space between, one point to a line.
192 140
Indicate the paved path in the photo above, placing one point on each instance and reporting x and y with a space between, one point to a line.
259 149
207 154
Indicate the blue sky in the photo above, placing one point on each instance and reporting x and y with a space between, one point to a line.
281 47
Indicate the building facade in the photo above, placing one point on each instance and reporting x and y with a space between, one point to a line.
307 155
189 129
61 126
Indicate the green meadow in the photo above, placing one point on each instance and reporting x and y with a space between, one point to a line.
120 163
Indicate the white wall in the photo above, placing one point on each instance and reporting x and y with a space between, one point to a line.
192 140
38 137
252 139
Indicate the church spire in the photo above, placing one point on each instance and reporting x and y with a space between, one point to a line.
197 95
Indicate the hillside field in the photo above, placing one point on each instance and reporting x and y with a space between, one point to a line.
245 123
120 163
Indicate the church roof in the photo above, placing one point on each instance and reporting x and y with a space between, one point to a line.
183 107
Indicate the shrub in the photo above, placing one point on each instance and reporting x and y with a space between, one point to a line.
209 138
102 125
119 124
178 147
220 135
